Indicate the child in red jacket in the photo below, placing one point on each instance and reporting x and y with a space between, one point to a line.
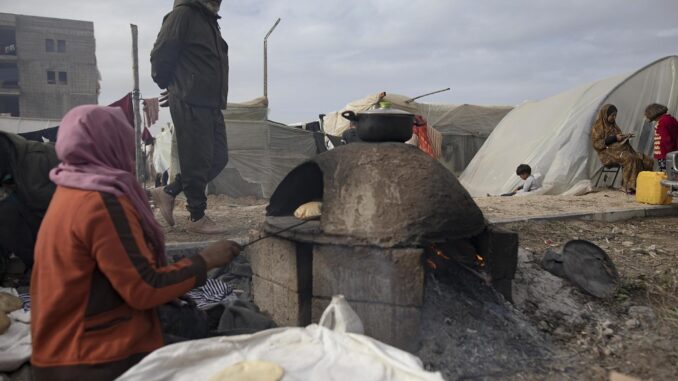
665 133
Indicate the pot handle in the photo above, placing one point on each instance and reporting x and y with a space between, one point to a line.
350 115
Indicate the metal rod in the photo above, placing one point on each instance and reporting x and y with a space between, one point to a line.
136 102
266 57
274 234
426 95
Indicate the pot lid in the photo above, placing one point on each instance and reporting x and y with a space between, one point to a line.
386 111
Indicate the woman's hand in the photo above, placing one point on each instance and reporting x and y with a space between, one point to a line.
220 253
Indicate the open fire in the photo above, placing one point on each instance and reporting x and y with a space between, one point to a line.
459 254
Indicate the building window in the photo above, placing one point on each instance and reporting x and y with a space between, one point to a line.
61 46
49 45
9 75
63 78
51 77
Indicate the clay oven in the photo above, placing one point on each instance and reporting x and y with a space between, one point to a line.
390 214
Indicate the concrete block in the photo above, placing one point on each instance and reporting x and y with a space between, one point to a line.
394 325
662 211
369 274
283 262
619 215
499 248
286 307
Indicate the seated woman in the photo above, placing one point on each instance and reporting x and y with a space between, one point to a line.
613 147
100 268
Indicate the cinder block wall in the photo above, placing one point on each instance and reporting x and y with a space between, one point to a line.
38 98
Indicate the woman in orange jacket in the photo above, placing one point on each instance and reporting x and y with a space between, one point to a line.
100 268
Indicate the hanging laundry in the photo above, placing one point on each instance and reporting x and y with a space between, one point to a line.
125 103
151 111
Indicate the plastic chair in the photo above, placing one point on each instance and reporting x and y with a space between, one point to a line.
608 170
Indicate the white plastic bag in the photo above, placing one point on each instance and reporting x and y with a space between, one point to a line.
340 317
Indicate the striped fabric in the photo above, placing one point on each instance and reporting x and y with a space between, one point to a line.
26 299
214 292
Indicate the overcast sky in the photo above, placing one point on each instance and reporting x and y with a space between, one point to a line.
326 53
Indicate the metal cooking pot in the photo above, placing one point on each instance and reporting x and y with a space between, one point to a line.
382 125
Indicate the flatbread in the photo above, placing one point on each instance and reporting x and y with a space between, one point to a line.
250 371
309 211
9 303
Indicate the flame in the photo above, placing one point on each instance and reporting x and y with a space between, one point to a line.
440 253
480 260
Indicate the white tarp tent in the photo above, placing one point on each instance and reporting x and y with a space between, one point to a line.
553 136
25 125
457 131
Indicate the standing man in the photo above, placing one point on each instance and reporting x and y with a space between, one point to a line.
190 60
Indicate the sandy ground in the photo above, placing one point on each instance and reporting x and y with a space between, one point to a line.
239 216
531 206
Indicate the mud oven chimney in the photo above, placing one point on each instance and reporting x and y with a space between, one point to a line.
387 208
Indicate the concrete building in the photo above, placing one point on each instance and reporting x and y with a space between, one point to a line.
47 66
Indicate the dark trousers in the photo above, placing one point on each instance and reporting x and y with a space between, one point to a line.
203 152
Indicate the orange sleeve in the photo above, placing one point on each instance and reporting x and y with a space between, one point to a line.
115 236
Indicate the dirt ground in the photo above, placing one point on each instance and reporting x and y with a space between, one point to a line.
556 331
636 332
239 216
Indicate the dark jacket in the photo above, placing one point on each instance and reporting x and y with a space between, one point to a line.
29 164
190 58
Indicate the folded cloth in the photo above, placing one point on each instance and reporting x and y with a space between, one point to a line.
214 292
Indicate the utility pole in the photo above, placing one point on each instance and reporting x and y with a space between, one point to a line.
266 58
136 102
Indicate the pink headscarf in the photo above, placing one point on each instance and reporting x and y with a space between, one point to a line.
96 147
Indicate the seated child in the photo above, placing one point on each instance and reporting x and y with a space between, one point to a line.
531 184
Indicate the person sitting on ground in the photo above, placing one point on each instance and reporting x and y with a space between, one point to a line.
613 147
100 267
530 183
665 133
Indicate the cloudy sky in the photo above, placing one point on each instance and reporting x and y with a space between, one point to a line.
326 53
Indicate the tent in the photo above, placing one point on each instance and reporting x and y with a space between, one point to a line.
260 152
553 136
25 125
456 131
459 131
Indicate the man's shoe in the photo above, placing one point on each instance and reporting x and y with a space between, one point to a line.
205 226
165 202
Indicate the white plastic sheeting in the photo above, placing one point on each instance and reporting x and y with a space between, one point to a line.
162 153
553 136
24 125
458 132
311 353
